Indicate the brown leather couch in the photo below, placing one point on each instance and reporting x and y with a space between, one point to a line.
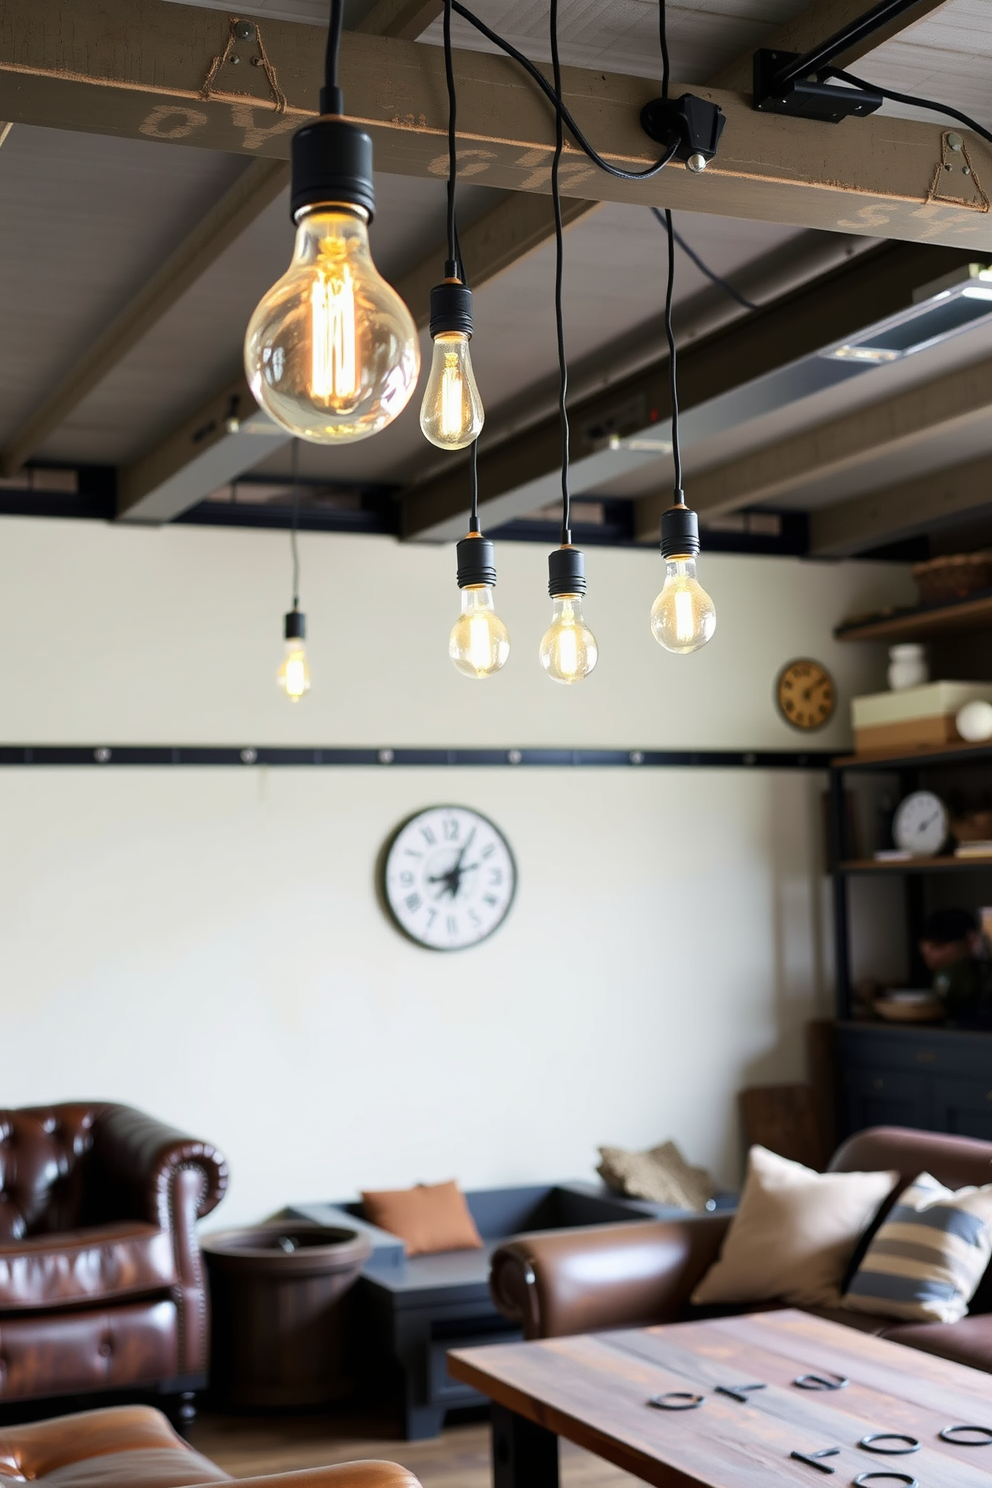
134 1446
101 1281
624 1276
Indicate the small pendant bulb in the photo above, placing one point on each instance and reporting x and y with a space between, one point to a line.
683 617
293 676
451 415
568 650
479 643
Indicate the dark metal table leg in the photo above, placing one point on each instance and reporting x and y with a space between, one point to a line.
524 1455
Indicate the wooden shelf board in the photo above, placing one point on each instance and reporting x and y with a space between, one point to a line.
923 754
917 865
919 624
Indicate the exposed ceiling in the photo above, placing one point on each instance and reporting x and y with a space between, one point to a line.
90 218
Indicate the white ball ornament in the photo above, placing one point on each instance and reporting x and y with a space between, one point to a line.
974 721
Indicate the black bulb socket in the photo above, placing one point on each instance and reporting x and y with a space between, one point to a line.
332 164
679 533
566 572
296 626
476 561
451 308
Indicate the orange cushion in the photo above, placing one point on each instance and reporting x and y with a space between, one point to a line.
429 1218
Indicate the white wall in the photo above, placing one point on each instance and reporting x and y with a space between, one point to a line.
206 943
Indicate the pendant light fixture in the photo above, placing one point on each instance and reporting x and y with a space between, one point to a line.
683 617
479 643
568 650
293 676
451 415
331 352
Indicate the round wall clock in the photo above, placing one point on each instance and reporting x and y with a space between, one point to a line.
921 824
448 877
805 694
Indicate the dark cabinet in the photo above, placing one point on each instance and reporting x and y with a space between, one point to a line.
932 1079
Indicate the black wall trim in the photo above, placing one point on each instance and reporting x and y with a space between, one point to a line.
104 756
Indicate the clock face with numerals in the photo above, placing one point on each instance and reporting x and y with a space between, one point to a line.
448 878
805 694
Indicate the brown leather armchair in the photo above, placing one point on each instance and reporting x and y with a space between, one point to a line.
101 1282
134 1446
625 1276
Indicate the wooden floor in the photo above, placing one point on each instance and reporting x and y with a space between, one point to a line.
246 1446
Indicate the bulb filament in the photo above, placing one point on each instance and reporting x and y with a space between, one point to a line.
452 397
334 371
685 623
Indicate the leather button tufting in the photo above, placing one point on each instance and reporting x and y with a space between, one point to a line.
106 1349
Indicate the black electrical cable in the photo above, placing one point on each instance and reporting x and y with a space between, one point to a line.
566 500
672 371
473 521
295 524
910 98
666 69
704 267
331 100
454 257
559 107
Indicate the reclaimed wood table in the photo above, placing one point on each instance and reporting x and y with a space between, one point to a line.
596 1390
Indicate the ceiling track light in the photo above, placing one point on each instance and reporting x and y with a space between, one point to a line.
451 415
293 676
331 352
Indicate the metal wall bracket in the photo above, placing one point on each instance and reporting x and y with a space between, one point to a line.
805 98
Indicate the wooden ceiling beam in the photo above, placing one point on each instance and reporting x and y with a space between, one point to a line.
902 510
822 19
144 70
404 19
887 426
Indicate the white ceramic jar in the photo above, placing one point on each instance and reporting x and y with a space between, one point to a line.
907 666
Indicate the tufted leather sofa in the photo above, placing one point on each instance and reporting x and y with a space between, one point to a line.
624 1276
134 1446
101 1280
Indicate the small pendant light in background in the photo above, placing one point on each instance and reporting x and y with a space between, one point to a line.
293 676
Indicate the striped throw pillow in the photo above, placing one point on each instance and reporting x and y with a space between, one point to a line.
926 1260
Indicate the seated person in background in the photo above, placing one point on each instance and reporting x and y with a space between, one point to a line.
955 950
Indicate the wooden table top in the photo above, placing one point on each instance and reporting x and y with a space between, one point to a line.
593 1389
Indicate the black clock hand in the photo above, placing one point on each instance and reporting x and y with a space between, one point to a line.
928 823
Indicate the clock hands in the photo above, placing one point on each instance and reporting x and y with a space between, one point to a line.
451 880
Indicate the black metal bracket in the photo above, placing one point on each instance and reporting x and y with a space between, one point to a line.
806 98
694 122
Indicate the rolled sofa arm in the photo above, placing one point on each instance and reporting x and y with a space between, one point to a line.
363 1474
140 1160
555 1282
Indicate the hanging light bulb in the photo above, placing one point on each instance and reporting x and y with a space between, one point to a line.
568 648
683 617
293 675
451 415
479 643
331 352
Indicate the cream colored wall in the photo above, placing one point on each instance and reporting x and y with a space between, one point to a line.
206 943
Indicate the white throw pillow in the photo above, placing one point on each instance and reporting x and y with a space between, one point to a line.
794 1233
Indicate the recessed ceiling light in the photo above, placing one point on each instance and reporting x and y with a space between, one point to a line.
940 310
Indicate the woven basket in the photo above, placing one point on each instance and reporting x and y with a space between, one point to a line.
954 577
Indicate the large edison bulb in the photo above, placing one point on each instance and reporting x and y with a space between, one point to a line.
451 414
683 617
293 675
479 643
331 352
568 650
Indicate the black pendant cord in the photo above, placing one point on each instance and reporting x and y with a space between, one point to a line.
666 67
566 500
703 266
910 98
560 109
453 268
331 97
473 521
295 524
672 361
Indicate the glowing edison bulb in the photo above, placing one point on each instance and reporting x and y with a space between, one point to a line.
293 675
331 352
479 643
683 617
568 650
451 414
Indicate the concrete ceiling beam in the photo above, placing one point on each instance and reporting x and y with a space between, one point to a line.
902 510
